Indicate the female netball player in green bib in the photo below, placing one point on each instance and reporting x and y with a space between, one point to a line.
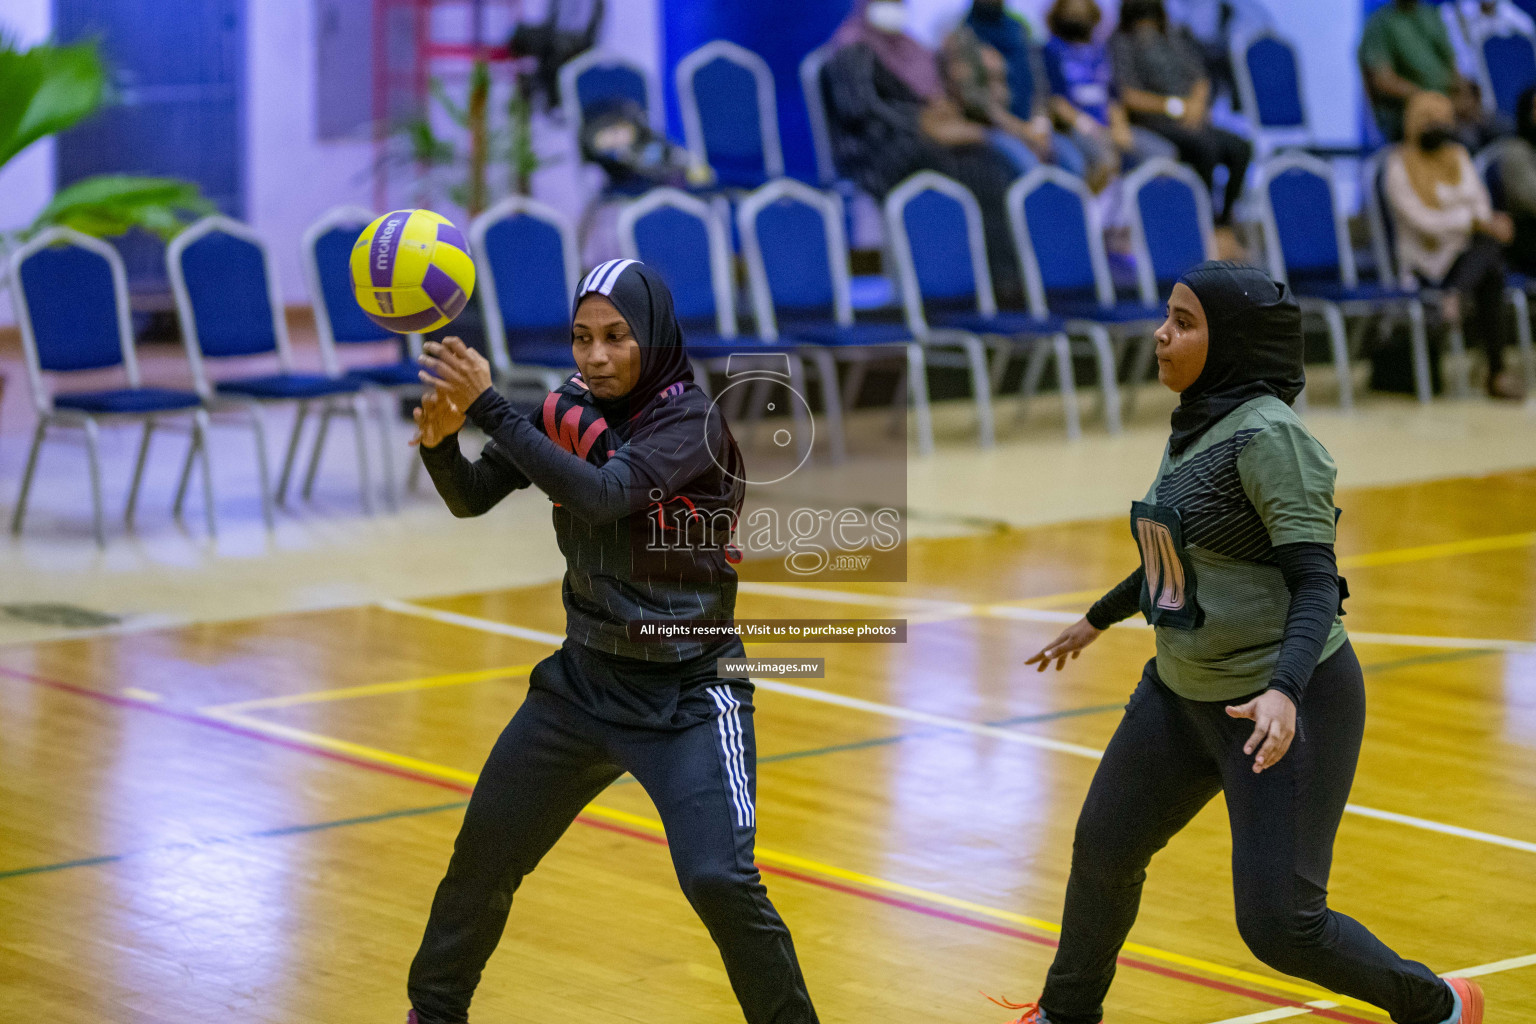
1255 691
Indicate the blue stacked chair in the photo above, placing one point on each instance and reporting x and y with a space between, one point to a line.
592 81
1267 69
70 293
730 115
667 229
528 270
933 228
1306 240
230 307
1060 239
797 269
1507 67
340 322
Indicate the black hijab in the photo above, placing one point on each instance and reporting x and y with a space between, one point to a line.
645 302
1255 346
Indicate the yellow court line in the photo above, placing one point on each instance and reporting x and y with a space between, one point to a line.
376 689
792 861
1470 546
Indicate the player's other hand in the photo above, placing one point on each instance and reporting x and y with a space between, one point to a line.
1274 726
455 370
436 418
1068 645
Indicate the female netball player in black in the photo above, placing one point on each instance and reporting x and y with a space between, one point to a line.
618 448
1255 691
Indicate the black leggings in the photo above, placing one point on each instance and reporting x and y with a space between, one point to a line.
1167 759
1205 149
1478 274
551 760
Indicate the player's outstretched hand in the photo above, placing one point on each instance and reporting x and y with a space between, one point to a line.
1274 725
436 418
1069 644
455 370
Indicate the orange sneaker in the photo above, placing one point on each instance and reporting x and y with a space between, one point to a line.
1032 1012
1471 995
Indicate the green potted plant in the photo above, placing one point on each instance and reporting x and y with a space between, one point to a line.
46 89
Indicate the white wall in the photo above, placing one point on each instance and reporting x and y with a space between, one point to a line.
291 176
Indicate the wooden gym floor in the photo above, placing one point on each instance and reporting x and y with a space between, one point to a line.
244 821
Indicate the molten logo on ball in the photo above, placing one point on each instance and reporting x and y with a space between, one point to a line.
412 271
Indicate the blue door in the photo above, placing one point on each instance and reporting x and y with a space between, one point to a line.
177 69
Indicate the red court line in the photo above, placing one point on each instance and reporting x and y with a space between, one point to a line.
865 894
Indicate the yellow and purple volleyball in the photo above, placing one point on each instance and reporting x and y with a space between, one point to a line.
412 271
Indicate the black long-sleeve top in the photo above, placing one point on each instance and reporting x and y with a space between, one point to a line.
615 513
1312 578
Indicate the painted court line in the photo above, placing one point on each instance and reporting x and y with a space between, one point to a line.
650 830
1283 1012
769 857
962 725
373 689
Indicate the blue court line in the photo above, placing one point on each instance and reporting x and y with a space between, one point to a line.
241 837
412 812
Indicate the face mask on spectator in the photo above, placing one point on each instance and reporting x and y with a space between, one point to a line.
1435 136
1074 30
887 15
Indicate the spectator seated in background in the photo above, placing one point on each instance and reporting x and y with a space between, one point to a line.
1083 95
1405 49
889 118
1517 181
1213 24
1161 79
976 80
991 25
1448 235
1469 22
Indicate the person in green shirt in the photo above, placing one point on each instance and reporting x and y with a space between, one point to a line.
1255 692
1405 49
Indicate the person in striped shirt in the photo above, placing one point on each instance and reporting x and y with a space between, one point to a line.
628 449
1255 691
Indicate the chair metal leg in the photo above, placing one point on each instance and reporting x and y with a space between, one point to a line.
917 395
1109 381
826 369
263 477
976 355
382 417
1523 344
852 388
93 461
26 475
701 377
138 472
319 450
200 428
1418 334
1067 385
1002 355
293 449
360 419
1338 338
1461 373
805 426
1141 363
1034 369
185 479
